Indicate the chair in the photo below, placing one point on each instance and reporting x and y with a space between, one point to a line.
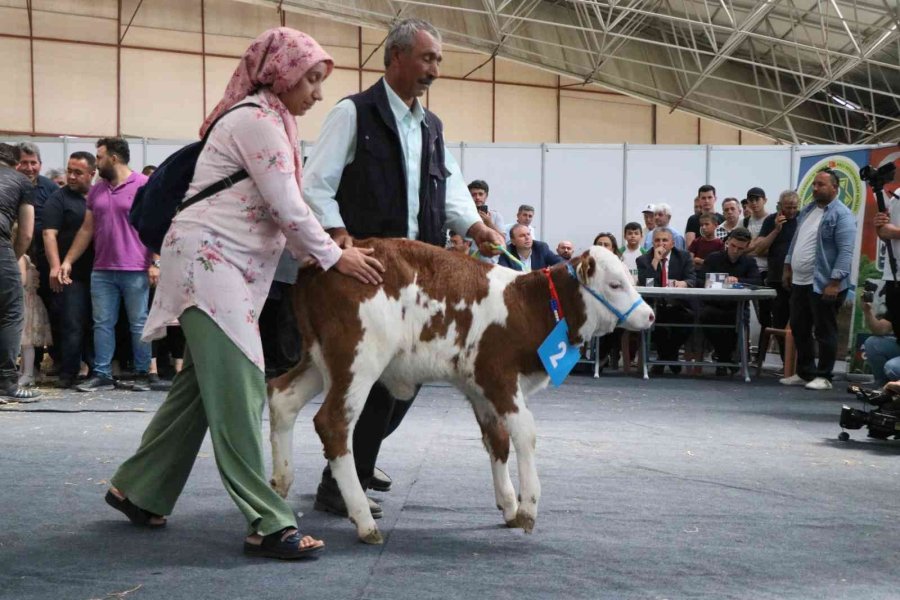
790 352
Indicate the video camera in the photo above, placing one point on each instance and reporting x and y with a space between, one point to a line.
883 421
878 177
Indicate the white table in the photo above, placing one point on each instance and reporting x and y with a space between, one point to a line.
739 296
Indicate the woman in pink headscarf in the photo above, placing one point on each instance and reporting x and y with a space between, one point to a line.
217 264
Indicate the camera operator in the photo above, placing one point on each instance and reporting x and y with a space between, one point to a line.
882 349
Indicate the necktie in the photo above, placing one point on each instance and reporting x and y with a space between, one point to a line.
665 274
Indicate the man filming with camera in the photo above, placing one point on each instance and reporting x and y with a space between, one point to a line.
882 349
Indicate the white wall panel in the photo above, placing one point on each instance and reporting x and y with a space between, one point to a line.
669 174
736 169
583 192
513 174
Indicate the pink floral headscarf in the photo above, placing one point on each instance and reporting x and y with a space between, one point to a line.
277 59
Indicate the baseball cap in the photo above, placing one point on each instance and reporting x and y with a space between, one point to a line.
649 208
756 192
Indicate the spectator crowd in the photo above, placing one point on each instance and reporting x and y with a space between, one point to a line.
84 281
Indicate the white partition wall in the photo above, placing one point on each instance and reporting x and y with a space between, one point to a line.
669 174
577 190
736 169
583 193
514 175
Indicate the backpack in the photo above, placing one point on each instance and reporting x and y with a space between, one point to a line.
162 197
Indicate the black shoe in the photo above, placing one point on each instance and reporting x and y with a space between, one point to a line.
65 382
380 481
656 370
329 499
158 384
140 383
97 383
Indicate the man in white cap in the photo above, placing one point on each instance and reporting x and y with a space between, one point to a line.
661 217
649 223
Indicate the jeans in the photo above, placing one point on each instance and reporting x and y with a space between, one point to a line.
809 311
12 317
74 343
108 288
883 356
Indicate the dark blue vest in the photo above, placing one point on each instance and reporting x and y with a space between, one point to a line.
372 191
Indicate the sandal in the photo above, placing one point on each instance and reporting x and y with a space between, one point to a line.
19 394
273 546
135 514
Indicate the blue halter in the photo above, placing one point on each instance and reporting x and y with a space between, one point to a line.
603 300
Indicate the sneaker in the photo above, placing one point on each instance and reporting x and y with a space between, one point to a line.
792 380
97 383
819 383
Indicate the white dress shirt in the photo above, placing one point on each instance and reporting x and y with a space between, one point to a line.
336 148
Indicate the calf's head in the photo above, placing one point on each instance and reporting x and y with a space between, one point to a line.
608 291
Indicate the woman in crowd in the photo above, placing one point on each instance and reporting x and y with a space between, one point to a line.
217 263
608 346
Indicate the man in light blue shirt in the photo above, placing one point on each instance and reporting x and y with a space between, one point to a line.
662 215
817 271
380 169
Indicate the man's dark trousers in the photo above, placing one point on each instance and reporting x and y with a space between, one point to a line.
809 311
12 315
76 322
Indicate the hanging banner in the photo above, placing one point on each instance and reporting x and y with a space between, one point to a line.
854 195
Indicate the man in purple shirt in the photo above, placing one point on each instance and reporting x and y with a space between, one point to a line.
124 269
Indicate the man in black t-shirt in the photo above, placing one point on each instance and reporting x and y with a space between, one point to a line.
774 240
16 197
63 216
707 197
740 269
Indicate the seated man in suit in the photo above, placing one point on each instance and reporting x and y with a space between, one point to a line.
532 253
740 268
668 266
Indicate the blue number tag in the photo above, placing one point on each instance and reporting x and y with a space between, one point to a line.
558 356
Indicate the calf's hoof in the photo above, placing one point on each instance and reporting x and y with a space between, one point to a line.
522 521
373 536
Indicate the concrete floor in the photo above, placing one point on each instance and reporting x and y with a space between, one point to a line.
671 488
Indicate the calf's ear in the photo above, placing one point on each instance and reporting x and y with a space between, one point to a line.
586 267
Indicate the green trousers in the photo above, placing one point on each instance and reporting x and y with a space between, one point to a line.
221 390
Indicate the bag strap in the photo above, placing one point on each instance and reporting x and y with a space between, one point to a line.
222 184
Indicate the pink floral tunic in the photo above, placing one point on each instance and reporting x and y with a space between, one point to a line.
220 254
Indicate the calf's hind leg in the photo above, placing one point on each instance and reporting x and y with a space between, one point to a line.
496 442
334 423
288 394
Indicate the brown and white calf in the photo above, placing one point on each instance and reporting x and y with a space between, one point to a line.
439 315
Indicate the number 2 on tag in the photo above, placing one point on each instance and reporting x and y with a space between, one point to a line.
555 358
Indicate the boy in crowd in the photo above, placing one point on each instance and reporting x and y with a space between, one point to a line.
632 249
705 245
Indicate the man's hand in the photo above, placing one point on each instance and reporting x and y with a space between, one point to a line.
786 277
341 237
153 275
731 279
486 239
780 221
881 219
680 284
65 273
829 294
55 284
698 262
